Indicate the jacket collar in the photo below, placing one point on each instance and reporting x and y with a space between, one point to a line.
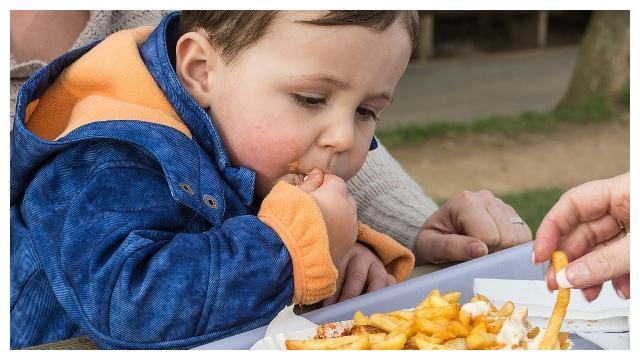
158 54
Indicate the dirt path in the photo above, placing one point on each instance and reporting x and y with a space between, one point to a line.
568 156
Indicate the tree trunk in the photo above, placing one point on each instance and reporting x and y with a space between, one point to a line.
602 69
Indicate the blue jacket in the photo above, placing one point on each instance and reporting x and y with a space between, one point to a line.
128 222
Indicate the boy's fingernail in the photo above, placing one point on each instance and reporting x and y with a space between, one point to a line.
475 250
561 279
621 294
577 273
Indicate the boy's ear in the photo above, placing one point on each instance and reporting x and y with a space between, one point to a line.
196 59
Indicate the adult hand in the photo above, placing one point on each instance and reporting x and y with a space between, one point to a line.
584 224
469 225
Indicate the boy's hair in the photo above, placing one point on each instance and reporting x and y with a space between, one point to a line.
231 31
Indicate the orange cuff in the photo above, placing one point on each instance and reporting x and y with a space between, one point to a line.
297 219
397 259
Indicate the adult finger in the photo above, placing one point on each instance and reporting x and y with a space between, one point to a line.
451 247
355 278
598 266
582 203
592 292
586 236
522 229
312 181
501 219
622 285
476 222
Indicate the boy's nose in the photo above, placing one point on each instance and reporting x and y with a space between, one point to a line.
339 134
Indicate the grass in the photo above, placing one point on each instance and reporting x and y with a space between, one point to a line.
598 109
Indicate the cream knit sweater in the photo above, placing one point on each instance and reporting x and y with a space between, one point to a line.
388 199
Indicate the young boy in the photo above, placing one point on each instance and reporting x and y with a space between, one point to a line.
174 186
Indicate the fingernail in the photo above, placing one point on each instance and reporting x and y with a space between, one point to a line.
621 294
533 259
306 177
561 279
577 273
476 249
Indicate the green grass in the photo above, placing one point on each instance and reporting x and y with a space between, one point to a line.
598 109
532 205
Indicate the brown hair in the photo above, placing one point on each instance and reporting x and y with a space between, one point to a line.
231 31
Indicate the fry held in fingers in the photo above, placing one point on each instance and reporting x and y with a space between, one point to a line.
559 261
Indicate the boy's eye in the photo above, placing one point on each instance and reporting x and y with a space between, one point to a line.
307 101
366 114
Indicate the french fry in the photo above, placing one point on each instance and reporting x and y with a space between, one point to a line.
444 335
321 344
457 344
559 261
450 311
494 327
360 319
506 310
376 338
425 345
457 328
479 338
425 302
533 333
362 343
430 339
465 318
391 342
437 301
429 327
402 314
452 297
384 322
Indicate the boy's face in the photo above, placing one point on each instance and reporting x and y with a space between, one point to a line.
306 96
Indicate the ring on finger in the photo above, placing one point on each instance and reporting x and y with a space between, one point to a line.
516 220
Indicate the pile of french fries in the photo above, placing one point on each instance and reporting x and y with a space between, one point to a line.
438 323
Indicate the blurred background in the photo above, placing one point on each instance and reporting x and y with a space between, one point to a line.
526 104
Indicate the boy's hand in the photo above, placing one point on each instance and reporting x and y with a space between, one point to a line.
359 267
338 210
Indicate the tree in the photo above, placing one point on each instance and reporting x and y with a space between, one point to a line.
602 69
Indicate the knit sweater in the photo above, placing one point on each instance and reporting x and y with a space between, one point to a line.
388 199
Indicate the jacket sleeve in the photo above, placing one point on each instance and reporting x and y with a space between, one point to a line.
136 269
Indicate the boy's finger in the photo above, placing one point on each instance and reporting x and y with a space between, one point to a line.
355 278
378 278
312 181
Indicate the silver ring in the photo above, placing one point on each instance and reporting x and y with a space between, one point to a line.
516 220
